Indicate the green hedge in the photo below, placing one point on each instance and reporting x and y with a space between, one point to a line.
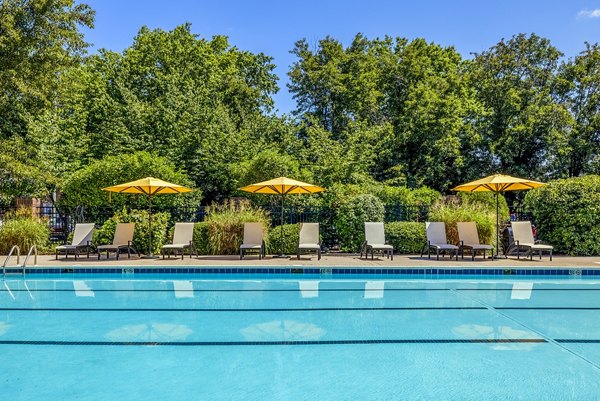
141 237
407 237
349 221
23 232
291 235
567 214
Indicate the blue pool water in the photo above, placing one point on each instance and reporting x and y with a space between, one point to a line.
193 337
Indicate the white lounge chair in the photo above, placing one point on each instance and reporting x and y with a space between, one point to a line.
436 239
469 238
309 239
253 240
183 238
523 238
375 241
123 239
82 239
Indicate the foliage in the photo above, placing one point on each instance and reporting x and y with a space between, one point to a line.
201 238
567 214
18 176
291 236
487 201
407 237
351 216
579 153
378 116
38 40
516 81
225 226
84 187
141 236
391 195
452 212
199 103
409 100
24 231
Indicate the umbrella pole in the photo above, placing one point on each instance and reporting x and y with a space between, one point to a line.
281 254
150 225
150 255
497 225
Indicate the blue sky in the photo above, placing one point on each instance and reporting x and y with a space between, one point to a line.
272 27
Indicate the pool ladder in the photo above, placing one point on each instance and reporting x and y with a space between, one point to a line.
32 250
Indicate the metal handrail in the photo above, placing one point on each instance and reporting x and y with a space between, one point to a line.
33 248
15 247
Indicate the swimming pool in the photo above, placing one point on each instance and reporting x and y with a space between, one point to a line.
189 337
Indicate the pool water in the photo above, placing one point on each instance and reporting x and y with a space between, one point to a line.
190 338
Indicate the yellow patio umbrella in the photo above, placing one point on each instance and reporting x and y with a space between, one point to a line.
148 186
282 186
497 183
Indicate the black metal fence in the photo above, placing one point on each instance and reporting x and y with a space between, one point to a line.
62 221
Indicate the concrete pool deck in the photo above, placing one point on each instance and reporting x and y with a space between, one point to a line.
327 260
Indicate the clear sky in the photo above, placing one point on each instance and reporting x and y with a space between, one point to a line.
272 27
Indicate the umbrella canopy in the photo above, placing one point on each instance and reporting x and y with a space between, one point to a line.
498 183
148 186
282 186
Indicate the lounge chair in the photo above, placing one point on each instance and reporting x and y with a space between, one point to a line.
82 239
309 239
523 238
469 238
436 239
183 238
123 240
375 241
253 240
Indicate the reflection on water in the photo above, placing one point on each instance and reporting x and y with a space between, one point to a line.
282 330
478 331
150 332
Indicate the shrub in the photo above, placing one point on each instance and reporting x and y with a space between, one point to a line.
406 237
84 187
225 226
567 214
351 216
23 232
453 212
423 196
201 238
486 200
141 237
291 235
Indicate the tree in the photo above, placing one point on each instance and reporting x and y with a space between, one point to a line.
433 110
84 187
515 80
409 102
39 40
200 103
581 78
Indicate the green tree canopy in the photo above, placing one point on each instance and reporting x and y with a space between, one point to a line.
39 39
84 187
515 80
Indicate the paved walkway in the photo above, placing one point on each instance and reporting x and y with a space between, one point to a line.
327 260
